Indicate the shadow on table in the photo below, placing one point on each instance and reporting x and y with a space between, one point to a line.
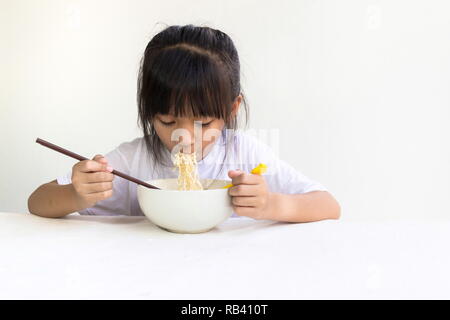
136 224
235 226
248 225
109 219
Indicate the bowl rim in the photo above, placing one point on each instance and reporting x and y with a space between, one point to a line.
184 191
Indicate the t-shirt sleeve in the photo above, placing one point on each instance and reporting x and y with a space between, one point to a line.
280 176
119 202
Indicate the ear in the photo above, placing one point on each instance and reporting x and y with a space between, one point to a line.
236 106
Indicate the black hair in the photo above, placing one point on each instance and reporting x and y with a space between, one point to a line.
188 71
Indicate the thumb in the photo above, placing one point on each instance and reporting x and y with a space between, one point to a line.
100 159
104 161
234 173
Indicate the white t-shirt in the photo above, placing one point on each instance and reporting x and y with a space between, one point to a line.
244 152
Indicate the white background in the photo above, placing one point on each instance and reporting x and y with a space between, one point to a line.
358 89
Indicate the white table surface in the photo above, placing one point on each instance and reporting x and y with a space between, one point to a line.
88 257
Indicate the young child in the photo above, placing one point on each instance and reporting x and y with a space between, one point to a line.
189 95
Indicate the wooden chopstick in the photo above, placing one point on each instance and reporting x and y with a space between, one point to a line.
81 158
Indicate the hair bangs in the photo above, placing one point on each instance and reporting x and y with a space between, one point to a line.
187 83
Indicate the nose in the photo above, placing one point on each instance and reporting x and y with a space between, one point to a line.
189 133
185 140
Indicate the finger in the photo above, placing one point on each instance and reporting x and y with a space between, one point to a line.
243 190
246 178
97 187
100 158
234 173
244 211
98 196
91 166
101 176
245 201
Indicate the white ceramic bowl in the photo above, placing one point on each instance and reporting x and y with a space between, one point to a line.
191 211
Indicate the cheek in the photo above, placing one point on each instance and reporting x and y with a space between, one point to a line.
206 146
163 133
212 134
219 124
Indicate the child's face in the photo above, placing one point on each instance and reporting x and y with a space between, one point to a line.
179 131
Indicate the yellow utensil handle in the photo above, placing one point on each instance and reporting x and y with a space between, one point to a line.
259 169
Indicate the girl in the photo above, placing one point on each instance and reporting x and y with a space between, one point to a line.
188 88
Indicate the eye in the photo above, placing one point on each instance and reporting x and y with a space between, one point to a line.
167 123
206 124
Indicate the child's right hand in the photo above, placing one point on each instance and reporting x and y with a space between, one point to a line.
92 181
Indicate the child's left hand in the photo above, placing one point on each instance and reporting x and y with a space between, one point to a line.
249 194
